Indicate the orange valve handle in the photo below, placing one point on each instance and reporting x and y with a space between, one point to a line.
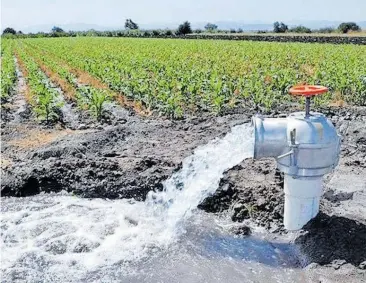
308 90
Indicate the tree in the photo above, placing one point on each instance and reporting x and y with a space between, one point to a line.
20 32
129 24
91 32
210 27
350 26
279 27
57 29
9 31
184 28
300 29
325 30
168 32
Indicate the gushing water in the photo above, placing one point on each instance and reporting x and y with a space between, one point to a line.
62 238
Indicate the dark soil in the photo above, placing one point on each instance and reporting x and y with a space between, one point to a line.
331 238
251 190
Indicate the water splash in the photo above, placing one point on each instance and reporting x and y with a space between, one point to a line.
200 176
48 235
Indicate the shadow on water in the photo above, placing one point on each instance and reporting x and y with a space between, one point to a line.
254 249
326 238
331 238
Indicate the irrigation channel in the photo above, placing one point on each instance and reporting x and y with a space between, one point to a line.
64 238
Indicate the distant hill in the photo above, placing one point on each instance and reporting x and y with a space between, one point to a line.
362 24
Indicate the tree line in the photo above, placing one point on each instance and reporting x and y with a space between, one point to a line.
132 29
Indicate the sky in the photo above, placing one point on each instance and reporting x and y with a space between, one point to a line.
112 13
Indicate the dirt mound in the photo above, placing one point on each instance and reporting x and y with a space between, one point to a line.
251 190
331 238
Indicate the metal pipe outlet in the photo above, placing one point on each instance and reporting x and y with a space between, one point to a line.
306 147
270 136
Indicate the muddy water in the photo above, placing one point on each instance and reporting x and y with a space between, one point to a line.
19 99
69 116
62 238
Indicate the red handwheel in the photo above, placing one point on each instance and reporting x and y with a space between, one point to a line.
308 91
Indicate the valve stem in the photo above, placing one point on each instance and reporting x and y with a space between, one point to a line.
307 107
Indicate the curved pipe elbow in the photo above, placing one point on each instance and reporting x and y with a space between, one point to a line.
270 137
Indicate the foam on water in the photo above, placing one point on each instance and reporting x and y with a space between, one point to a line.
59 237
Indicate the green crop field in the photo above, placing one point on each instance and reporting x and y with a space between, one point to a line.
175 77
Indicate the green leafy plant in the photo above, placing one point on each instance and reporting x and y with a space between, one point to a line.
95 99
47 107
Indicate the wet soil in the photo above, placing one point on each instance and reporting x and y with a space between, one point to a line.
127 155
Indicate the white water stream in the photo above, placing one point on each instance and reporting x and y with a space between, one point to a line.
63 238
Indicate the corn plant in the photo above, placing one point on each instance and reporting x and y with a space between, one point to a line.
97 100
47 108
94 100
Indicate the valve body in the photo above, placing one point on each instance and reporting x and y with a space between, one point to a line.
306 147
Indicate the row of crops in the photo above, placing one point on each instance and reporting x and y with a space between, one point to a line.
175 77
44 100
85 96
8 71
44 80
